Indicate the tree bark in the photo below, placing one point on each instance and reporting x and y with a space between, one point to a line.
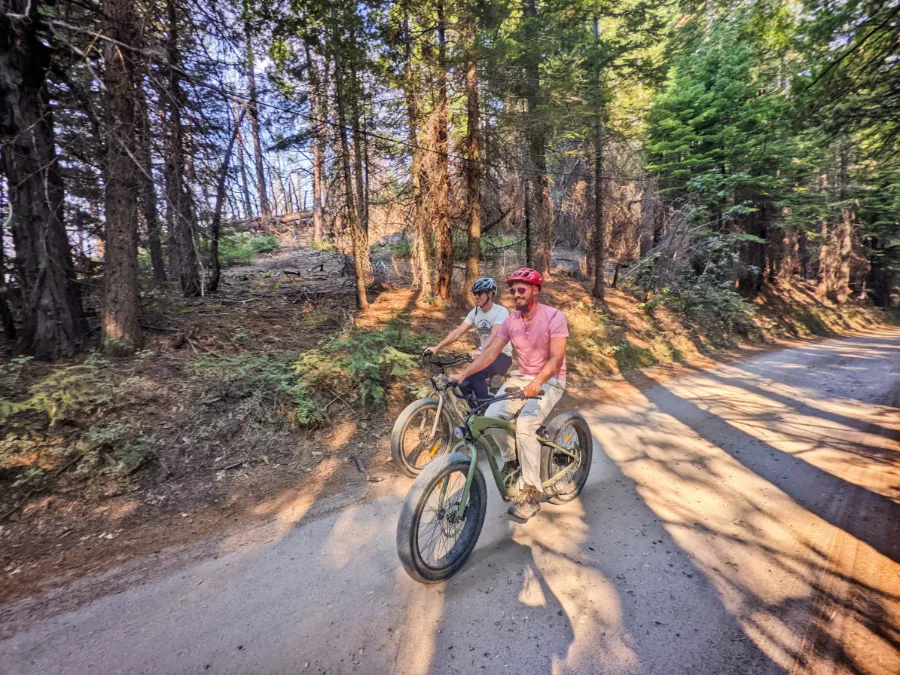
279 192
473 170
443 228
120 329
537 147
318 130
149 206
357 234
420 227
599 221
177 195
264 209
529 225
215 227
52 324
242 166
358 164
9 325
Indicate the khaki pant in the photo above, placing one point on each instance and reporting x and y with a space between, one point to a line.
532 414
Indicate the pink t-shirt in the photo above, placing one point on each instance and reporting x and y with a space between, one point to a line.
531 339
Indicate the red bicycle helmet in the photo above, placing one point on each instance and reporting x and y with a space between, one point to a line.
526 275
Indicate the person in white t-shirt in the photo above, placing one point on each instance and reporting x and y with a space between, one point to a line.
486 317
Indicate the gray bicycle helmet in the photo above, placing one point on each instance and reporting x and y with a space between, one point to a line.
484 285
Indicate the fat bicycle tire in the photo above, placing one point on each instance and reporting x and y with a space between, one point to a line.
414 507
400 458
565 491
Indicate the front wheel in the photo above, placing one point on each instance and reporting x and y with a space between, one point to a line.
413 445
571 431
433 541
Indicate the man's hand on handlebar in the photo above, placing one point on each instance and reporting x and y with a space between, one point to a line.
532 389
431 350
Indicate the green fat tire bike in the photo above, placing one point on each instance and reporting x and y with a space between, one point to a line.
443 513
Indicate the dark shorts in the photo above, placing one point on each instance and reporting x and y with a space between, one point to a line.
478 383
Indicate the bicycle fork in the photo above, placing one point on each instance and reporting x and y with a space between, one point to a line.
473 463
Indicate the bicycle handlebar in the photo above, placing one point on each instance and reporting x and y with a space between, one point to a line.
432 359
512 396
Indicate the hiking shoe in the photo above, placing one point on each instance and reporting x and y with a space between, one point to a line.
527 504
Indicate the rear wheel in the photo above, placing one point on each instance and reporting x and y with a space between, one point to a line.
433 541
413 445
571 431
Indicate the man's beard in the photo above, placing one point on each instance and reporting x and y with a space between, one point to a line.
521 304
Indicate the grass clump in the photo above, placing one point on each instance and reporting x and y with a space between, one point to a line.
243 247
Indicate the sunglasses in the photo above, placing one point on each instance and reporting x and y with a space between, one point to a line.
521 290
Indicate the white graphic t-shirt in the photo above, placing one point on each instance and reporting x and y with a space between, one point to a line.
484 321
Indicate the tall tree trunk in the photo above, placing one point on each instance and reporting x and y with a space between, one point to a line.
443 228
420 227
357 234
599 221
358 164
278 189
6 317
537 147
215 227
844 233
318 130
264 211
473 169
148 187
237 110
53 324
120 329
529 224
177 195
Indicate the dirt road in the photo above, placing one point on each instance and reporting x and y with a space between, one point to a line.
740 520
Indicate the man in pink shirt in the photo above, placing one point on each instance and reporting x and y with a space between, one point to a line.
538 334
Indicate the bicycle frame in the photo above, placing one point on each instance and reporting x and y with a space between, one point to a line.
476 428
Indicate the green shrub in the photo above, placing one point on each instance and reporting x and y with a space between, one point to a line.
243 247
703 288
260 380
66 393
364 364
116 450
357 367
402 250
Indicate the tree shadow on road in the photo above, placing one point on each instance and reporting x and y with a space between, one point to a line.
734 554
